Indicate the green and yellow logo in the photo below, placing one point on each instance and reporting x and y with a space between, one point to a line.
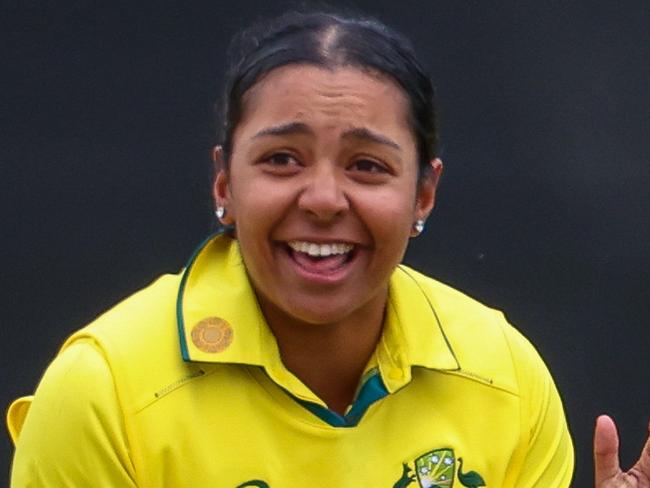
438 469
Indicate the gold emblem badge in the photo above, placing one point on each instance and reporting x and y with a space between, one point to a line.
212 335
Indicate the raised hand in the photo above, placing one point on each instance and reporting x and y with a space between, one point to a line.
608 473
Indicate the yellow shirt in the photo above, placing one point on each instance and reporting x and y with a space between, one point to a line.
454 397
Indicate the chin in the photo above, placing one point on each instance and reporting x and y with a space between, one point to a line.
317 318
323 313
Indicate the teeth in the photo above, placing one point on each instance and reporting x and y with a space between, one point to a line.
317 250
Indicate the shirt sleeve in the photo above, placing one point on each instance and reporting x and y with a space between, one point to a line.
74 433
546 458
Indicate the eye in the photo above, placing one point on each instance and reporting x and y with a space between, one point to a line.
281 159
280 163
369 166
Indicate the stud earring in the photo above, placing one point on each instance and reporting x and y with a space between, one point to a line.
220 212
418 227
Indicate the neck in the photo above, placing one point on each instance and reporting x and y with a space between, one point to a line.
329 358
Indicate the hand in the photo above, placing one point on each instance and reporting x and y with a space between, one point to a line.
608 473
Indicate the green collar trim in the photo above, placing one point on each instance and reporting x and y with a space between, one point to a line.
180 322
372 391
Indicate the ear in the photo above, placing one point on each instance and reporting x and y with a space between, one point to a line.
221 186
427 186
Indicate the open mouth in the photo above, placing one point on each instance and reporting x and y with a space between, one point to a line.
321 258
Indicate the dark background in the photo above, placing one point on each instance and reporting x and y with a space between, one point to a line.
106 126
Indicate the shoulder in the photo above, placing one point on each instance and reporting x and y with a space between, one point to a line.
137 315
450 303
138 341
67 379
74 426
141 326
104 374
486 346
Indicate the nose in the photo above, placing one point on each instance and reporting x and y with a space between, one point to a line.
323 197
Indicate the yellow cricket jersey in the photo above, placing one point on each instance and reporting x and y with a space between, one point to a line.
182 385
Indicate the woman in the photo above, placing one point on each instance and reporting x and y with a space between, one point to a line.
308 355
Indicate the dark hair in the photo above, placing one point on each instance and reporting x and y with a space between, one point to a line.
330 41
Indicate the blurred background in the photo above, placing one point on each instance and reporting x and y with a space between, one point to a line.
106 128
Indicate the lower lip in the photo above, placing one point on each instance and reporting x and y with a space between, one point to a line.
328 277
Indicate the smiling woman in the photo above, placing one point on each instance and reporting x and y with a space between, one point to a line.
324 158
295 349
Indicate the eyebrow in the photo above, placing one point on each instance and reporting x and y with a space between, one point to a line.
293 128
370 136
288 129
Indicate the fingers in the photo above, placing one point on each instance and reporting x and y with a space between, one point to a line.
643 464
606 450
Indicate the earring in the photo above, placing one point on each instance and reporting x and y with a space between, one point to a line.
418 227
220 212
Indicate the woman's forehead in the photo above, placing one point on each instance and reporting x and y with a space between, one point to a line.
344 96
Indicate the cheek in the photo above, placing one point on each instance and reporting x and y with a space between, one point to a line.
253 197
259 206
389 215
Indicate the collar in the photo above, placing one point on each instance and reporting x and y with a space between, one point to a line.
413 334
219 321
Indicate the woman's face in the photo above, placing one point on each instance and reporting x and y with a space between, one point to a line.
323 190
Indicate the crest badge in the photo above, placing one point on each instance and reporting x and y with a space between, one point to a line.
436 469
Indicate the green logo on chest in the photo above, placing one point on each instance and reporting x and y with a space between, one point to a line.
255 483
438 469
